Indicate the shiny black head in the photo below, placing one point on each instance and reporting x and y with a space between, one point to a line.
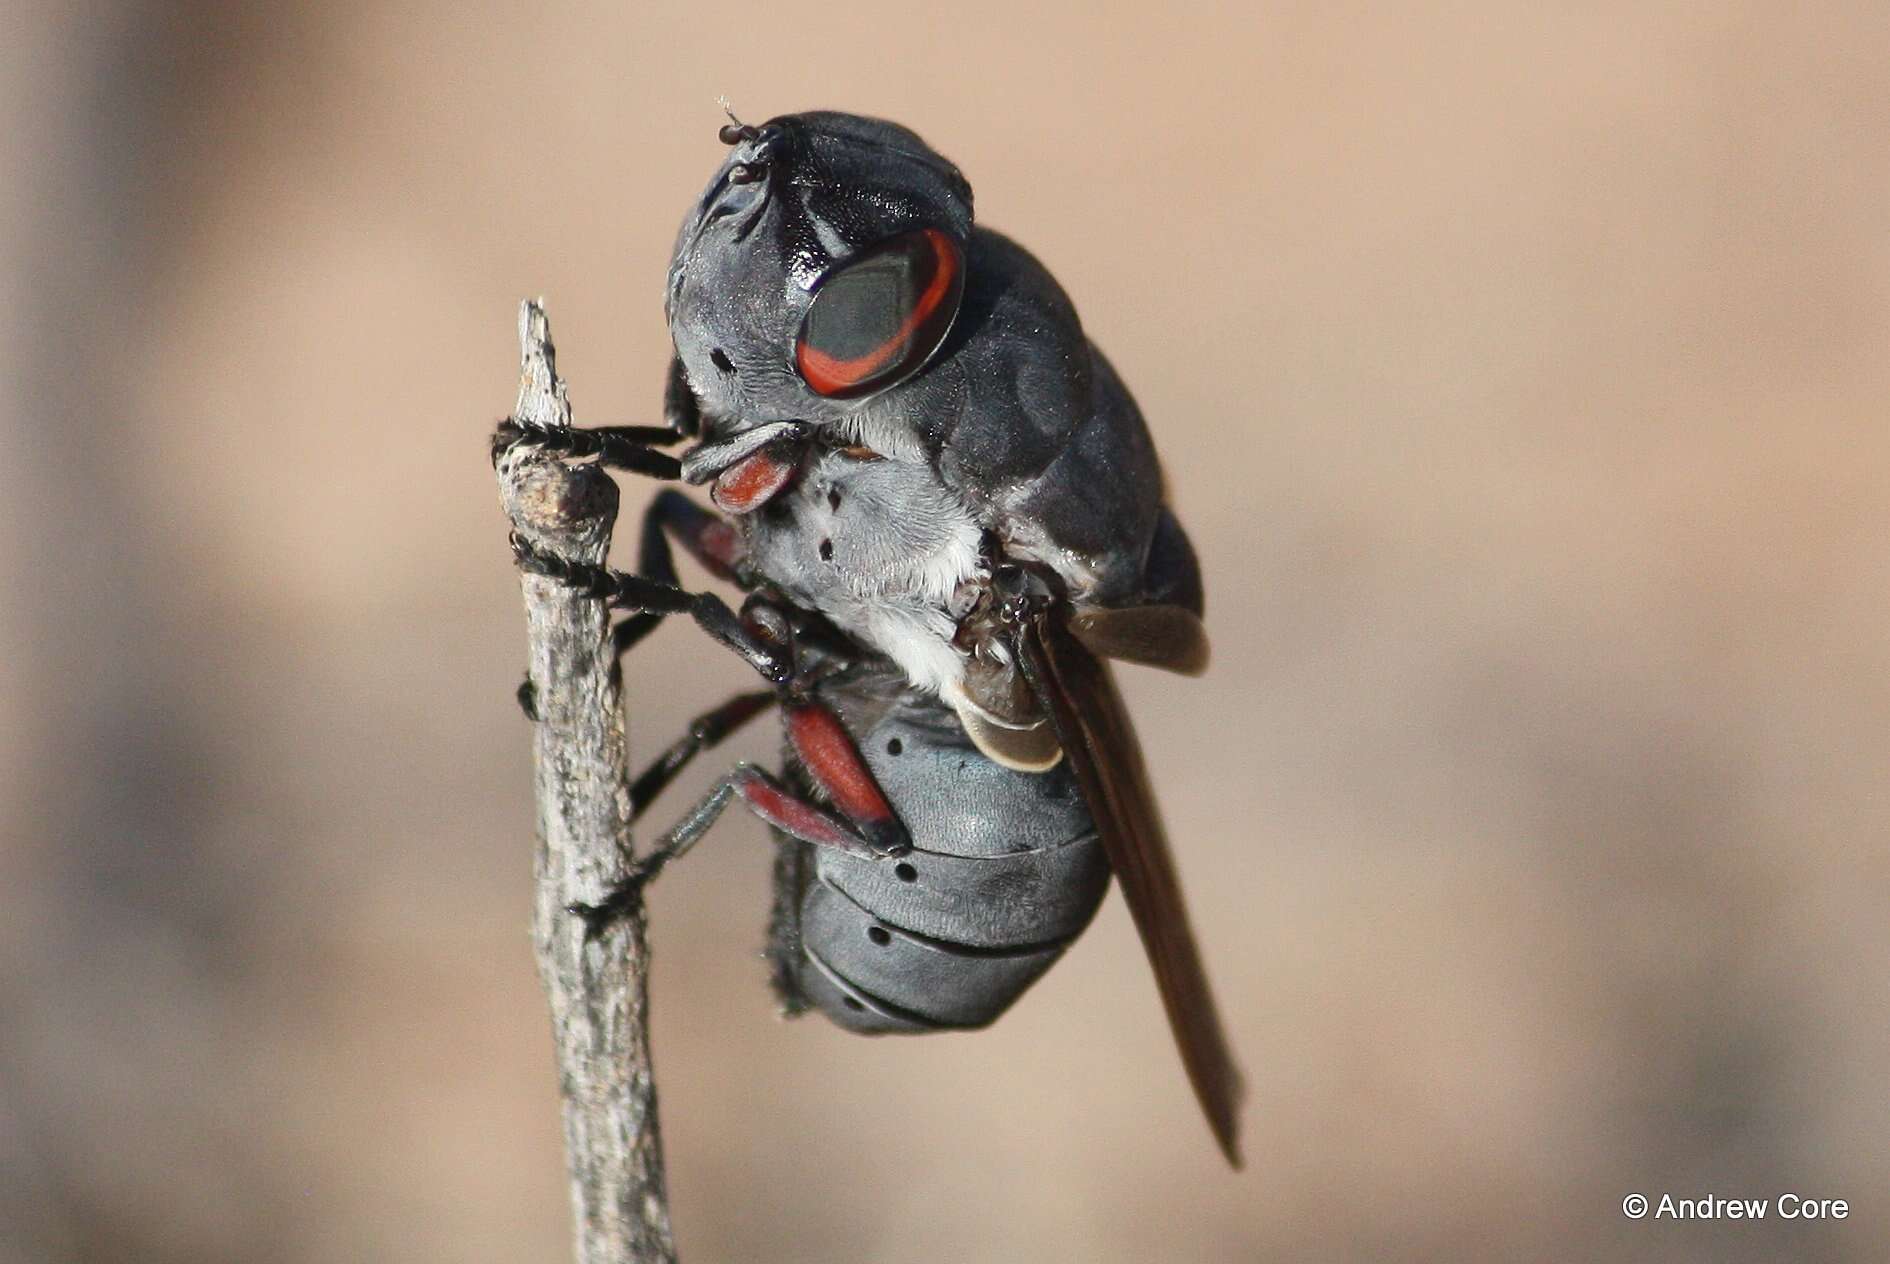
823 265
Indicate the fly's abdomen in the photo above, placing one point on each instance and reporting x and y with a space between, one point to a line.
1005 871
952 944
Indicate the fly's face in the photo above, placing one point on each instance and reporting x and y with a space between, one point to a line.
823 266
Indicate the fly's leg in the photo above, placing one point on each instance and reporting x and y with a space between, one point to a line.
830 756
758 462
655 590
643 595
630 448
626 634
821 742
859 820
823 746
761 793
712 542
705 731
764 795
705 537
708 539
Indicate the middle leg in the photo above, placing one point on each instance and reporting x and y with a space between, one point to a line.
704 536
643 595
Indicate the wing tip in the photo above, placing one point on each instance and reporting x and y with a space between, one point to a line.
1223 1118
1230 1149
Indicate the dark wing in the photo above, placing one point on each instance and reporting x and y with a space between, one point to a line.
1081 698
1172 638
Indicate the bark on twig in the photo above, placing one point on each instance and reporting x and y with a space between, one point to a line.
599 986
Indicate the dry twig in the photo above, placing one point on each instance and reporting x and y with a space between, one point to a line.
598 985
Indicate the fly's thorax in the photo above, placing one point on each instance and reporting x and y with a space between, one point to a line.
880 546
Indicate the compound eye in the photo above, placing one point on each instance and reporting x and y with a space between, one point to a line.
880 315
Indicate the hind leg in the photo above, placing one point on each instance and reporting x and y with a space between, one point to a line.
705 732
762 793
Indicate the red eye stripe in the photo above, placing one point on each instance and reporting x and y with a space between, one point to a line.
834 375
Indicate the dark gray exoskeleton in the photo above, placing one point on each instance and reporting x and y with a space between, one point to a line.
830 283
1006 868
950 512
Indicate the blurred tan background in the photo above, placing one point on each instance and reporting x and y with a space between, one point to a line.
1520 371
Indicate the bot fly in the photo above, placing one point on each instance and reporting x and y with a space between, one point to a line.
947 512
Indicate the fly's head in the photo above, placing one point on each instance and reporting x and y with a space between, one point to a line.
823 266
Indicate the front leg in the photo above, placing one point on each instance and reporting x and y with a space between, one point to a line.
619 447
714 543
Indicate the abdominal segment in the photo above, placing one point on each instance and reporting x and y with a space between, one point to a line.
1006 870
